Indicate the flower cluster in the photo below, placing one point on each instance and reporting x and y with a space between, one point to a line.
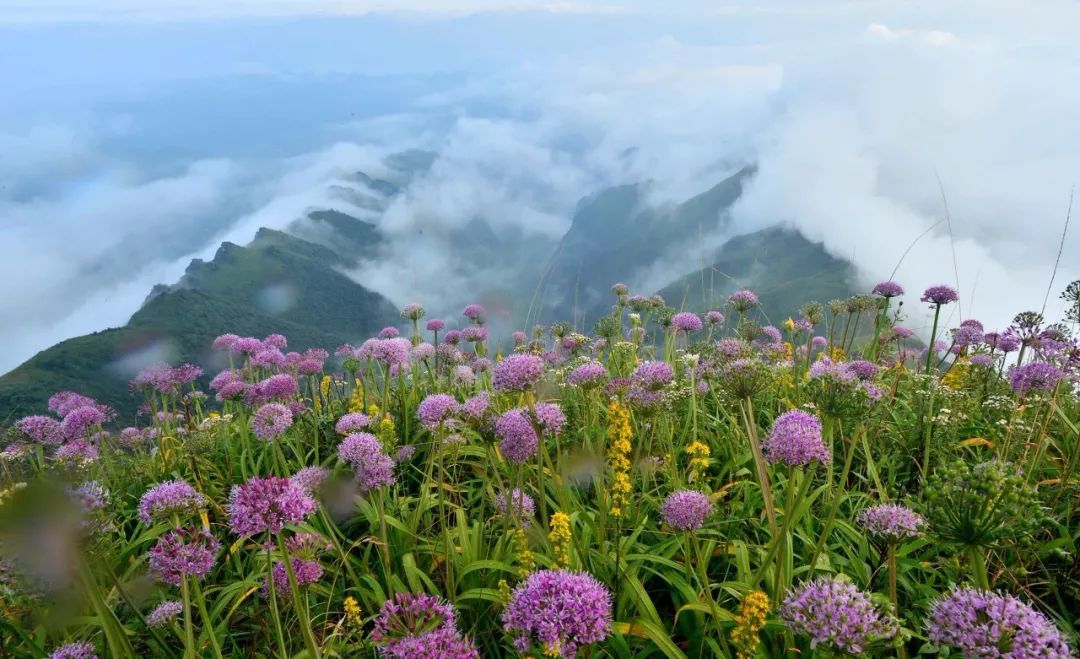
169 499
516 373
686 510
183 552
892 522
751 618
519 508
267 505
795 440
833 612
979 623
364 453
415 625
619 434
561 611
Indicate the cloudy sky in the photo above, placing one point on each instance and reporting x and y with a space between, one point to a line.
135 135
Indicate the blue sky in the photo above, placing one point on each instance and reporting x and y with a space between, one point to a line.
168 126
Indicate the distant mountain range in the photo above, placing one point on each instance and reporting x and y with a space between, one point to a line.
293 282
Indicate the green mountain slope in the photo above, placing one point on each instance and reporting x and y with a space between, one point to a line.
780 265
277 284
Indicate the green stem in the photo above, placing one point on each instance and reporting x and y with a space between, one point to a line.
834 505
901 653
200 601
299 603
759 464
978 567
189 624
703 577
274 615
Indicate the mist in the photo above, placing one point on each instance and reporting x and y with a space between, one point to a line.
865 121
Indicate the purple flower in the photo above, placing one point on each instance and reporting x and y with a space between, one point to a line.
404 453
247 345
164 500
364 453
477 407
686 510
165 613
276 341
523 506
795 440
351 422
518 440
271 420
644 399
462 374
63 402
1005 342
652 375
268 358
819 342
517 373
74 651
435 325
939 295
588 375
1034 376
967 335
475 334
519 337
267 504
453 337
475 313
888 289
436 409
892 522
421 352
306 571
309 479
391 352
980 623
985 361
412 625
41 429
183 552
79 420
714 317
827 369
742 301
412 311
833 612
559 610
863 369
550 418
225 342
277 387
389 333
686 322
772 334
78 449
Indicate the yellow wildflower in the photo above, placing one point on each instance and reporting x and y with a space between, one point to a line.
352 612
956 376
504 592
838 354
699 458
749 621
386 432
619 435
788 350
789 324
559 537
526 565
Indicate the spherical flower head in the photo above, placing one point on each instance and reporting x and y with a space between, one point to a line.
968 335
686 510
519 337
74 651
1008 342
352 422
165 613
560 611
183 552
78 449
41 429
225 342
477 407
1034 376
795 440
939 295
279 387
475 313
80 420
518 440
271 421
419 625
412 311
523 507
391 351
985 361
620 289
714 317
453 337
686 322
63 402
517 373
888 289
834 613
364 453
172 498
550 418
771 334
652 375
310 479
234 390
404 453
819 342
436 410
892 522
826 369
463 374
863 369
421 352
267 504
389 333
276 341
475 334
588 375
980 623
268 358
306 572
742 301
436 325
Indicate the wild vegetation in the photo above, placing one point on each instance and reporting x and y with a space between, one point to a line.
675 485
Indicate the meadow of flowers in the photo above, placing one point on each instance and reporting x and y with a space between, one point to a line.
674 485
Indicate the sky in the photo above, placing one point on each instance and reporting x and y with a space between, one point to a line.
135 136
